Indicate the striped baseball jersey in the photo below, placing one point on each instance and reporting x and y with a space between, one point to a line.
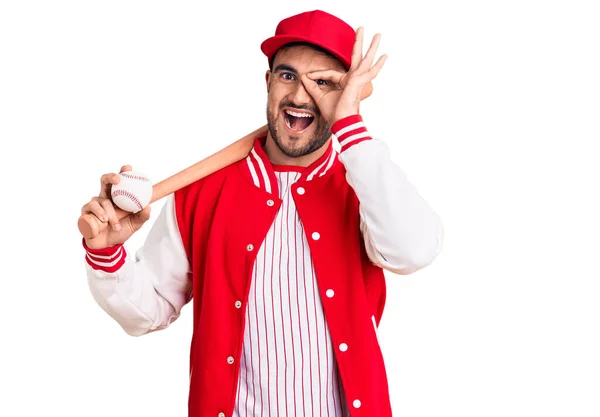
287 367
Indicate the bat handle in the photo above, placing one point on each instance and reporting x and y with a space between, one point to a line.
89 225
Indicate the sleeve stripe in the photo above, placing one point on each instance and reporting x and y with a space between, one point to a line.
101 258
109 267
350 131
356 142
349 128
112 262
107 259
344 143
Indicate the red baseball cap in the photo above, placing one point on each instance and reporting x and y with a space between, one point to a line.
316 27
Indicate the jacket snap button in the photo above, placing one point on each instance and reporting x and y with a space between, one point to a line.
316 236
221 414
270 203
230 360
300 190
356 403
250 247
343 347
330 293
238 304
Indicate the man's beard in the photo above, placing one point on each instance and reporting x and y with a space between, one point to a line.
318 139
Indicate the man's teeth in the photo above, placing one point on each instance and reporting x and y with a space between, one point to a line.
293 113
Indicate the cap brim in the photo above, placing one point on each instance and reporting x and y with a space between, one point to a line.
271 45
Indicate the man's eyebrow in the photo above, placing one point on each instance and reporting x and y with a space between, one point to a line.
284 67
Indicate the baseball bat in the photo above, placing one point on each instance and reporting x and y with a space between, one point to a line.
89 225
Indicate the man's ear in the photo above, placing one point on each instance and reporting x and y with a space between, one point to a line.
268 79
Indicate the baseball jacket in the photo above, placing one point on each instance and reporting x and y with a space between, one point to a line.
361 216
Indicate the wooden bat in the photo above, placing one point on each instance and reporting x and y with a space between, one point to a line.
89 225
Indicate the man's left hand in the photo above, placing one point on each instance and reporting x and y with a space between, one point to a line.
336 93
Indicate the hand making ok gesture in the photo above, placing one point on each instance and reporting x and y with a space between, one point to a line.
345 100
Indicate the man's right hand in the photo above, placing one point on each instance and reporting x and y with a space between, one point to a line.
118 231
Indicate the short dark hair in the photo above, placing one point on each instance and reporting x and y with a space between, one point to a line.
308 44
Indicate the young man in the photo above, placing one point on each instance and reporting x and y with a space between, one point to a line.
284 252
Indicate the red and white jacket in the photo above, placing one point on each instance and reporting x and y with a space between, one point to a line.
360 215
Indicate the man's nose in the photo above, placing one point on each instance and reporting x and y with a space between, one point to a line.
300 95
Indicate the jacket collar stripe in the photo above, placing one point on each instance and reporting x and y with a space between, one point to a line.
326 158
315 172
260 169
252 172
331 160
263 171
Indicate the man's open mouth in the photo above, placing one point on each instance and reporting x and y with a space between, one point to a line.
297 121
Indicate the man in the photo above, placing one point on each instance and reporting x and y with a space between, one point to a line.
284 252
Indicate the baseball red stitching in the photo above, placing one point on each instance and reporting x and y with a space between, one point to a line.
129 195
134 177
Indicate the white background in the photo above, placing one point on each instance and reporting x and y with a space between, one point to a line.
491 108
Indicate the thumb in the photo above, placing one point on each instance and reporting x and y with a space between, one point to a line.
138 219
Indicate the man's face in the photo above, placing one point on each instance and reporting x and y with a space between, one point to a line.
294 120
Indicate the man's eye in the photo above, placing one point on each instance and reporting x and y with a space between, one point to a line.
287 76
323 83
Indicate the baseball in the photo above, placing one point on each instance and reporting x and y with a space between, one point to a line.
133 192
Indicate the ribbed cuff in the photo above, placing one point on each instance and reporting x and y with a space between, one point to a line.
107 259
350 131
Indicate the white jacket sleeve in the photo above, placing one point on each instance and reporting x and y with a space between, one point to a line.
144 293
402 233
